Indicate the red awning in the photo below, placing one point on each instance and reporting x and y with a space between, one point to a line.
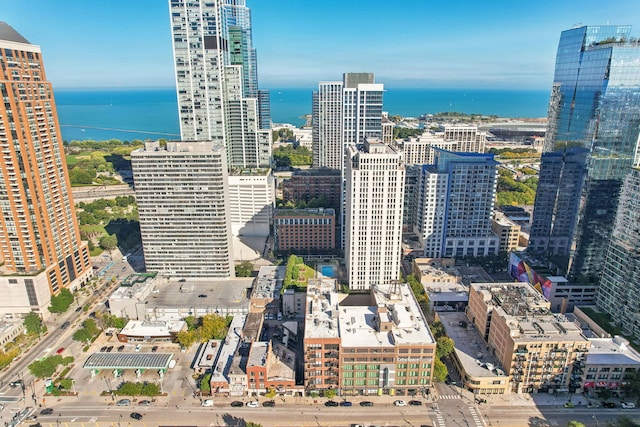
589 384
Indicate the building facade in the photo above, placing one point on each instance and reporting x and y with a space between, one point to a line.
217 80
345 113
373 215
455 207
536 348
320 183
507 230
182 194
41 249
594 107
252 199
311 231
619 290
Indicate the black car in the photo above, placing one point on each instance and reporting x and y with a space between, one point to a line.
366 403
109 349
331 403
136 416
154 349
121 348
92 314
65 325
16 383
415 403
269 404
46 411
103 348
202 296
608 404
237 404
78 310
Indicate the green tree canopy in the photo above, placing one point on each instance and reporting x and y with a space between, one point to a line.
109 242
205 384
61 302
575 424
244 269
46 367
437 329
330 393
440 371
187 338
33 324
444 347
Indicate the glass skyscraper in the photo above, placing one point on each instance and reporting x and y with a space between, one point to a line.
592 139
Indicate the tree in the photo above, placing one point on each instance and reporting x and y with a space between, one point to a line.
109 242
330 393
250 424
271 393
150 389
244 269
633 385
61 302
187 338
205 384
33 324
605 393
213 327
46 367
444 347
437 329
440 371
130 389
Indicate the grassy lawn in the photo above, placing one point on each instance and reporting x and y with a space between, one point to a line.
603 320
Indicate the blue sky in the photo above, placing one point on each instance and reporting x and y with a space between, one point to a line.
503 44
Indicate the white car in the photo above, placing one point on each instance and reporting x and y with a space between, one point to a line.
252 404
207 402
400 403
628 405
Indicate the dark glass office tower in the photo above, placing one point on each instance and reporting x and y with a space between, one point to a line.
592 139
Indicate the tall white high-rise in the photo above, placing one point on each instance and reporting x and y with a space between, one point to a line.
183 206
373 215
345 113
216 79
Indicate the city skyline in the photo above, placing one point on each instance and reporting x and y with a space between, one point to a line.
448 46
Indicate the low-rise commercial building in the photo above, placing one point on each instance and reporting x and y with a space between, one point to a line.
610 364
146 331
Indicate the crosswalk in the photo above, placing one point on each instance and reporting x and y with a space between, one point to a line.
439 421
476 416
449 396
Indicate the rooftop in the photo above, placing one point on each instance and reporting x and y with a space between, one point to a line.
269 282
611 351
305 212
228 350
321 309
8 33
128 361
259 354
143 328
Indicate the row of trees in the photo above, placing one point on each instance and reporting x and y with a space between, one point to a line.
46 367
286 156
138 389
512 192
202 329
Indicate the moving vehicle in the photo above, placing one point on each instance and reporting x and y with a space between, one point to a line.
46 411
123 402
60 350
400 403
136 416
65 325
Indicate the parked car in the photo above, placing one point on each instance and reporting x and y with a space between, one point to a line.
628 405
415 403
593 405
568 405
124 402
346 403
237 404
109 349
46 411
138 347
252 404
331 403
136 416
207 402
366 403
269 403
103 348
400 403
154 349
608 404
16 383
121 348
144 403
